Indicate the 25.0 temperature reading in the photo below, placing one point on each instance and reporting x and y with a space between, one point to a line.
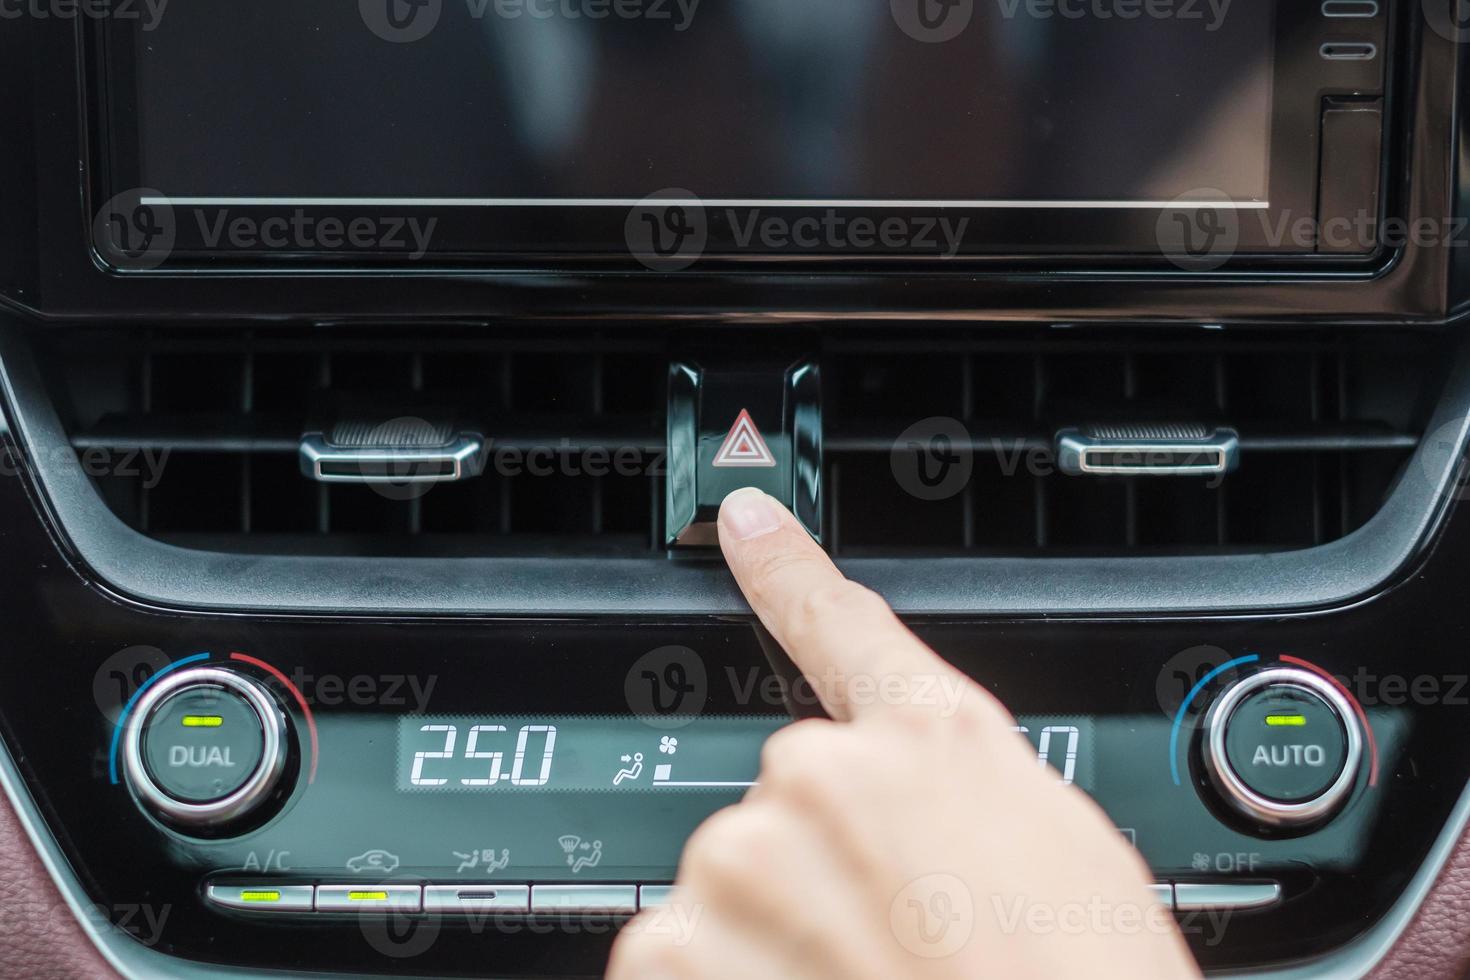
474 749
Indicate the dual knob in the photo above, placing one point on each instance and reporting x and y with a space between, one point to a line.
206 748
1282 748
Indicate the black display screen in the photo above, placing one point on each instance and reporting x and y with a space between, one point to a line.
512 128
595 101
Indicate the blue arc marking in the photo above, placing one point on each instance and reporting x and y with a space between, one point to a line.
122 719
1184 708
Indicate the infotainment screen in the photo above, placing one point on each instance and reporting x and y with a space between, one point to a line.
432 128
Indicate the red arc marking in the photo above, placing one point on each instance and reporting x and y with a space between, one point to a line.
1362 715
300 699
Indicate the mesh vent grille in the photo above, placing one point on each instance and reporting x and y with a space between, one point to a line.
575 423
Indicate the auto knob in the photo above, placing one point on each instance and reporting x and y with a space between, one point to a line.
1282 748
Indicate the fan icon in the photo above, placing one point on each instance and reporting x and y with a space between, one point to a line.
668 745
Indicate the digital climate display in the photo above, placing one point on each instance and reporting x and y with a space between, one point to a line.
626 755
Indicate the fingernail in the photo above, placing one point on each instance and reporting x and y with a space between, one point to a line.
749 513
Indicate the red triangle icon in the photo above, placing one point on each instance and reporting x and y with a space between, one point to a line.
744 446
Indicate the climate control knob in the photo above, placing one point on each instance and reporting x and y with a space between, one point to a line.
1282 748
204 748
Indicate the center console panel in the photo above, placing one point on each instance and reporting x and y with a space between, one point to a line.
379 843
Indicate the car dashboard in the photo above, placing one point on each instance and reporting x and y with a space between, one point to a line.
372 378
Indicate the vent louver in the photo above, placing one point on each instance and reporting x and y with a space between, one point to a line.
575 424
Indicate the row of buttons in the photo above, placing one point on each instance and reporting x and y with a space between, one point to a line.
606 899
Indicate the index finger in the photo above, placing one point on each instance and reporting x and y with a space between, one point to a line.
841 634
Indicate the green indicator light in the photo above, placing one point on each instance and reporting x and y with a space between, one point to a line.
1286 721
260 896
367 896
203 721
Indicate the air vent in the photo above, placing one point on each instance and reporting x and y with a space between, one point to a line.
209 422
1325 425
216 420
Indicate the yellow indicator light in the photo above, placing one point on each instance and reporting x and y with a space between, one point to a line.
203 721
260 896
1286 721
367 896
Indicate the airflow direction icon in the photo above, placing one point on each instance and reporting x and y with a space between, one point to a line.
744 445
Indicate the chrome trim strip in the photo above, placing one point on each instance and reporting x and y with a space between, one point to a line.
466 898
356 899
459 458
1348 51
1078 451
1192 896
293 898
1350 8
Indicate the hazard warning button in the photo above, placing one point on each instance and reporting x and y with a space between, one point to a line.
744 445
746 425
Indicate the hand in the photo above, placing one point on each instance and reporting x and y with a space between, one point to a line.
915 836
